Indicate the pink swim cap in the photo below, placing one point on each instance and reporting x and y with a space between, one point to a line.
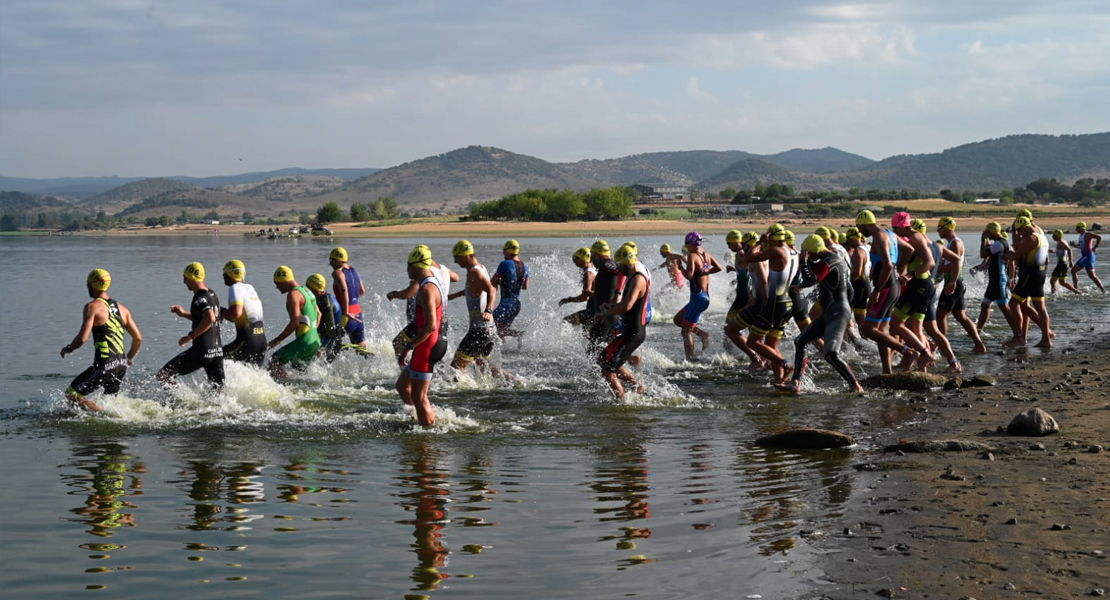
900 219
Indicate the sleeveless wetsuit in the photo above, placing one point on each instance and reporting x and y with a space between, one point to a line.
513 273
355 328
206 352
430 351
479 339
1063 265
889 290
110 360
250 335
605 292
300 352
743 291
330 328
777 309
1031 270
998 289
953 302
699 296
861 287
633 326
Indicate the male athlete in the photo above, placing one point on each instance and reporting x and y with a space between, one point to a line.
512 277
1087 243
206 352
632 310
581 258
428 346
348 288
481 296
304 316
244 309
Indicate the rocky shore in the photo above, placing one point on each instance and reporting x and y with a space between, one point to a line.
954 506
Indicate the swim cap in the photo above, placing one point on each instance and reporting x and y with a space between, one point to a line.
1059 233
834 236
919 226
600 247
462 248
854 233
235 269
1005 235
694 239
583 254
512 247
1021 223
1025 213
865 217
665 249
822 231
789 239
339 253
993 227
626 255
1081 225
633 245
813 243
900 219
283 274
734 236
750 238
316 282
194 271
947 223
99 280
776 232
420 257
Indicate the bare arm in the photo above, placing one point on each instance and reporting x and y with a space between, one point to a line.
715 267
638 289
293 307
206 323
87 320
406 293
133 329
425 301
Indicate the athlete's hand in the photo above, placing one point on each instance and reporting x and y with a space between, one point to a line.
950 288
64 350
178 310
562 301
184 341
389 296
487 316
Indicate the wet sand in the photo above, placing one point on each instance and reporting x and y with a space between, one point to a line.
1031 519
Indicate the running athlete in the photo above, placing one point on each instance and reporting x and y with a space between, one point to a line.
1087 243
607 290
400 343
106 320
769 325
886 289
928 326
859 265
244 309
348 288
827 269
481 296
632 309
993 247
734 324
697 267
428 346
1030 253
671 266
581 259
304 317
916 296
1063 263
206 352
800 305
512 277
952 299
330 328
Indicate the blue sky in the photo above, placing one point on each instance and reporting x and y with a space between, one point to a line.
147 88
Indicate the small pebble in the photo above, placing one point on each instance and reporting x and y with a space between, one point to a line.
1036 447
1098 592
1011 522
1009 586
1060 527
1094 449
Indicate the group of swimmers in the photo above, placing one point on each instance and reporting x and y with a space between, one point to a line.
896 290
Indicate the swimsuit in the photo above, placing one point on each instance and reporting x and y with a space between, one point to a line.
109 363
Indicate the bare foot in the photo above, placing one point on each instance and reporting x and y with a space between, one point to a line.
641 388
793 386
704 335
1014 342
787 371
979 349
86 405
757 365
954 368
858 389
908 358
924 362
1045 343
634 360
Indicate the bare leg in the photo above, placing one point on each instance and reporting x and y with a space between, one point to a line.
1041 318
972 332
83 404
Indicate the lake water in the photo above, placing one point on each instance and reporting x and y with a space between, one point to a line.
324 488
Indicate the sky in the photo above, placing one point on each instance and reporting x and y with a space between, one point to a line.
216 87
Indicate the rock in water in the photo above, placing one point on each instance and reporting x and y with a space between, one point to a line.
1033 422
806 438
918 382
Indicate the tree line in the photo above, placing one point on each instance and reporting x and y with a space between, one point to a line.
382 209
598 204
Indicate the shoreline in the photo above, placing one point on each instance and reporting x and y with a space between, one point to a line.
1030 519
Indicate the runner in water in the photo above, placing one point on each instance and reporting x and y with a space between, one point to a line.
632 309
885 250
244 309
769 325
581 258
512 277
206 352
827 269
1087 243
606 291
859 263
928 326
1063 263
993 247
400 343
1030 253
330 328
428 346
348 288
697 267
800 306
304 317
672 267
952 299
481 296
106 320
734 323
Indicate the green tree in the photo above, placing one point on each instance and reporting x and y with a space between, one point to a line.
329 213
565 205
8 222
608 203
359 213
728 193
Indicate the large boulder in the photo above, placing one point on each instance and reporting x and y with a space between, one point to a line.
940 446
806 439
914 381
1033 422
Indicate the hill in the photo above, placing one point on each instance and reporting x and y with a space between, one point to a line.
198 201
136 191
287 188
823 160
748 172
19 201
679 168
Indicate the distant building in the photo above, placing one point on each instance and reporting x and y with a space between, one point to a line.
770 207
987 200
662 191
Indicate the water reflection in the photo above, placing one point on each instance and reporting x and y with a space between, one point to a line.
110 478
621 477
220 493
425 495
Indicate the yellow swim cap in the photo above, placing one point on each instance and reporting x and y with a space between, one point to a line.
462 248
633 245
1025 213
813 243
316 282
993 227
420 257
853 233
283 274
600 247
776 232
750 238
822 231
235 269
194 271
99 280
947 223
339 253
1058 233
626 254
734 236
919 226
1021 223
789 239
1081 225
665 249
865 217
582 254
512 247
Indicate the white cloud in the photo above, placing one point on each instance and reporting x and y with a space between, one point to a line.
693 90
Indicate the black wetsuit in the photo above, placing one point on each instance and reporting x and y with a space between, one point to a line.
834 278
206 352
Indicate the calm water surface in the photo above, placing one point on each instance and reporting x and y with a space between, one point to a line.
543 488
